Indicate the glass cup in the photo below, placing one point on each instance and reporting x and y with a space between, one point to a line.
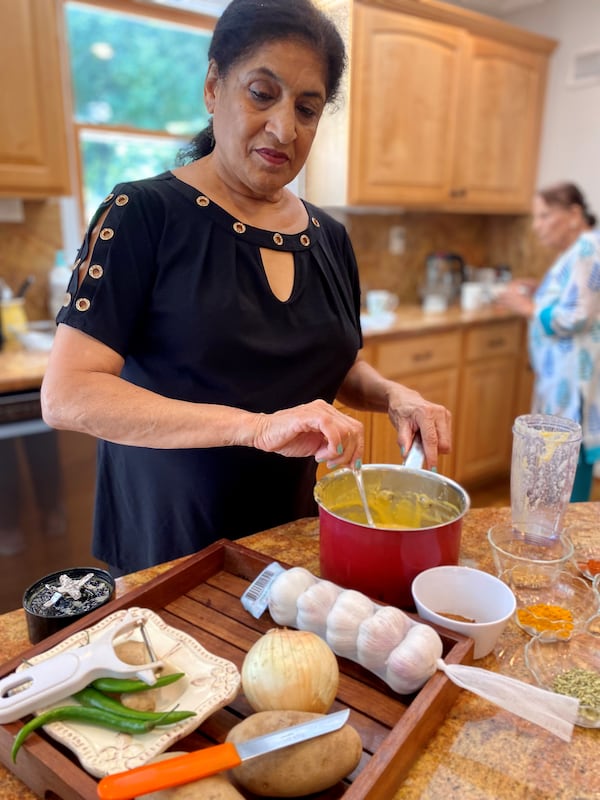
544 459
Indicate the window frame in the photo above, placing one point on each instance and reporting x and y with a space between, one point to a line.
74 208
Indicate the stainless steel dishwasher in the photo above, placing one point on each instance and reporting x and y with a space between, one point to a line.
46 496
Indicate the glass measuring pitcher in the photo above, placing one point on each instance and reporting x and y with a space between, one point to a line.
544 459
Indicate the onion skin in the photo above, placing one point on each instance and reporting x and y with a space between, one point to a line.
290 670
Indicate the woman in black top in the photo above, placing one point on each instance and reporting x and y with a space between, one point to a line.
214 316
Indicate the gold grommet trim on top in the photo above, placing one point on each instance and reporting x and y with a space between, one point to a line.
203 201
95 271
316 222
122 200
108 197
278 238
82 304
305 240
67 300
106 233
239 227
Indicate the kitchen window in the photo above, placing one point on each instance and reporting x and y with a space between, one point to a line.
137 74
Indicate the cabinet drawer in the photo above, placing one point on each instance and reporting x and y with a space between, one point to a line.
495 339
418 354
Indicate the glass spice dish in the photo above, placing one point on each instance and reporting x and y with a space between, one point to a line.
60 598
586 544
552 606
569 667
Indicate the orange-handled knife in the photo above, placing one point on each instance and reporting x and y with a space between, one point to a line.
201 763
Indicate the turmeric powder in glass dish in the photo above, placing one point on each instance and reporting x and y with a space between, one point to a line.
552 606
569 667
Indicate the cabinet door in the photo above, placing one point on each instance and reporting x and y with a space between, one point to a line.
441 387
405 87
33 150
485 419
501 111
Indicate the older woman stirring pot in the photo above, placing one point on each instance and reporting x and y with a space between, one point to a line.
214 316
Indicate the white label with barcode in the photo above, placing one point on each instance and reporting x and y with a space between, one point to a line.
256 597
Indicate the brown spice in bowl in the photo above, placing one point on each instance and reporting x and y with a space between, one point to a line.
455 617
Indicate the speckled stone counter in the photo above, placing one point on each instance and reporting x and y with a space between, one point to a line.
21 369
479 752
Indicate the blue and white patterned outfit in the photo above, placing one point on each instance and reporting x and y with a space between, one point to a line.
564 340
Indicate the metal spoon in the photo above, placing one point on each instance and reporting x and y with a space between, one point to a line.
363 496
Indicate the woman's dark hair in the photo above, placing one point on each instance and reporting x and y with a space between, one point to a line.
566 195
247 25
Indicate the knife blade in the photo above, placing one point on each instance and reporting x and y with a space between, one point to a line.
210 760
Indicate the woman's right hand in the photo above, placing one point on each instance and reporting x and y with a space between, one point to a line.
313 429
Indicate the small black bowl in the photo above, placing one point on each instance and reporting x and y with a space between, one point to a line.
44 620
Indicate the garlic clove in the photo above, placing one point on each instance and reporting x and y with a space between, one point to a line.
314 605
414 660
378 635
284 593
349 610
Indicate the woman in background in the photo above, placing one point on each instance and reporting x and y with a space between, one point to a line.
214 316
564 320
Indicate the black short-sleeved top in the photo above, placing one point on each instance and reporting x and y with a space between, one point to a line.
176 286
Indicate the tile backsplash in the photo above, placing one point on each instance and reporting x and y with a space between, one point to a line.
29 248
483 241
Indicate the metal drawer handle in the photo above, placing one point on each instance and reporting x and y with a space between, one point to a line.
496 342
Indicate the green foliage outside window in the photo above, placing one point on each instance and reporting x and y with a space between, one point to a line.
136 74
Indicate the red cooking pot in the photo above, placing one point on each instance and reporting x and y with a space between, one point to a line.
418 524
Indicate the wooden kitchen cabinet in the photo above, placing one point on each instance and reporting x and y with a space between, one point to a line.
444 111
406 76
500 112
478 371
33 139
487 401
429 365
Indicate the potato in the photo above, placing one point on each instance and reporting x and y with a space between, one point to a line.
216 787
304 768
132 652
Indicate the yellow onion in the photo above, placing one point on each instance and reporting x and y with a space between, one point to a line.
290 670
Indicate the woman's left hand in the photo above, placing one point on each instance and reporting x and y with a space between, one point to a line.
411 414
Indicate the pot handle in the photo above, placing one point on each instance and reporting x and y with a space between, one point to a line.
415 456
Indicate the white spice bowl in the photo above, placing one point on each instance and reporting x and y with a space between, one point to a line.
468 593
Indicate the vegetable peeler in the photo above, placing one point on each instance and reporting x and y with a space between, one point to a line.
59 676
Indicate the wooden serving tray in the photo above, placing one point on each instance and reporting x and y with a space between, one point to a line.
201 596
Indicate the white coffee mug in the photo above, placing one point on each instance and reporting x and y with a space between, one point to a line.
380 301
471 295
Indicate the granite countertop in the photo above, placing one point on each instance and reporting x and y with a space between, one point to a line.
479 752
22 369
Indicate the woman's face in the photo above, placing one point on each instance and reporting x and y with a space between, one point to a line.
555 226
265 115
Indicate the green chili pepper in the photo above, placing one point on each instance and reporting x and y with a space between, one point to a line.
93 716
92 698
126 685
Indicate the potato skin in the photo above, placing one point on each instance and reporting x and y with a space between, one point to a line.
303 768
